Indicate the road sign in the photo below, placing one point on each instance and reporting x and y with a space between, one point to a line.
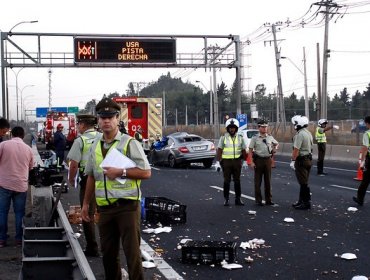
41 112
242 118
124 50
72 110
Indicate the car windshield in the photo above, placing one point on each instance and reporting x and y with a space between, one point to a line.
251 133
188 139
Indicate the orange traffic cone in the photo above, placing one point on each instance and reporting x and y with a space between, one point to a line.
359 170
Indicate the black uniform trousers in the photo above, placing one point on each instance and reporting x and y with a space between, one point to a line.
89 227
232 168
262 170
303 166
361 192
321 148
120 223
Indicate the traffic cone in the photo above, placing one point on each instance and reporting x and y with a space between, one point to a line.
359 170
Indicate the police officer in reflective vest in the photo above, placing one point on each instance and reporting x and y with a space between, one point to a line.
77 158
365 165
231 152
118 201
321 144
302 160
262 147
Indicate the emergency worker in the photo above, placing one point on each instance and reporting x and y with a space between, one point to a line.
302 160
60 142
77 157
118 201
262 147
365 165
231 152
321 144
139 134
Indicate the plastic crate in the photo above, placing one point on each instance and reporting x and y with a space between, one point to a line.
208 252
164 210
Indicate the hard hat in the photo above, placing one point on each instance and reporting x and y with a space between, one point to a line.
232 122
322 121
299 121
59 126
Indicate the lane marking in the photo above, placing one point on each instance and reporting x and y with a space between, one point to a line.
167 270
243 195
332 168
346 188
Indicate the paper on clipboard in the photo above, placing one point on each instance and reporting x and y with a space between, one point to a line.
116 159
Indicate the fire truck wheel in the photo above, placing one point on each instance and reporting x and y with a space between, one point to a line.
172 161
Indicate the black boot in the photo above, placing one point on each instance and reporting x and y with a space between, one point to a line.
303 206
300 199
226 202
239 202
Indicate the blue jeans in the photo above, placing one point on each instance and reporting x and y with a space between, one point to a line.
19 206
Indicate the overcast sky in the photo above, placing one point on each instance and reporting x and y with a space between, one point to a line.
348 40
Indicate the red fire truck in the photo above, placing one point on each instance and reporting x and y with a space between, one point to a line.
68 121
142 111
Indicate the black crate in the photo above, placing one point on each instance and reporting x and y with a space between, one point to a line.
164 210
208 252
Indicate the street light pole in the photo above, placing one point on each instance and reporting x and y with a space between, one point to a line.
22 99
17 90
22 22
23 108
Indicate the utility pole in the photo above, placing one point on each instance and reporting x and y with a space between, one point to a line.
306 103
238 75
164 109
216 119
318 104
245 75
280 86
50 72
328 4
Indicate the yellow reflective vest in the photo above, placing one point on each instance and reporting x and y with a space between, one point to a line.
320 137
87 139
108 191
232 147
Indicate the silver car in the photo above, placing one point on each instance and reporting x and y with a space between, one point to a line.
181 149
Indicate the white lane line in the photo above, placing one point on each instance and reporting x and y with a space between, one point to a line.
243 195
167 270
346 188
332 168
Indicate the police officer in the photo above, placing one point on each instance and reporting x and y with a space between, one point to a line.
77 158
262 147
60 142
118 201
365 165
230 152
302 160
321 144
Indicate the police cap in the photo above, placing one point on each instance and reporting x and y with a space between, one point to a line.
262 123
107 108
86 118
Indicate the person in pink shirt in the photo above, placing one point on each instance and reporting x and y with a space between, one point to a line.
16 159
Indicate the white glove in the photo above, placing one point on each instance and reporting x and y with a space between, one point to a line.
292 164
336 126
217 166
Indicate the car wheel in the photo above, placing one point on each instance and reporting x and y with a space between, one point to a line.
172 161
207 163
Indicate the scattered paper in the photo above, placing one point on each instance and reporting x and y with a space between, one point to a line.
147 264
157 230
348 256
116 159
252 244
248 259
252 212
289 220
231 266
352 209
183 241
359 277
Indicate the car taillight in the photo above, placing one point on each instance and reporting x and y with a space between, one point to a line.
212 147
183 150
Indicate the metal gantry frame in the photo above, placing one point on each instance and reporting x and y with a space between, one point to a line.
15 54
